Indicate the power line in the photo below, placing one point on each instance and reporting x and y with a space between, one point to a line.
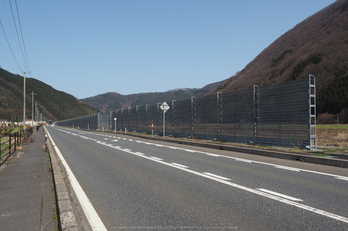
19 41
9 45
20 27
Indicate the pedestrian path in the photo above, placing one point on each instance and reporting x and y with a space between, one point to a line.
26 194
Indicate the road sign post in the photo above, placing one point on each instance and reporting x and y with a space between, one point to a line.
165 107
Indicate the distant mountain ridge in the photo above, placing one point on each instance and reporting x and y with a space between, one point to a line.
110 101
319 46
53 104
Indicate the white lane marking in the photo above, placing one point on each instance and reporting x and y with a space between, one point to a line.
130 140
155 158
256 162
140 153
216 176
92 216
180 165
188 150
287 168
115 140
283 200
124 139
243 160
159 145
341 178
257 192
279 194
211 154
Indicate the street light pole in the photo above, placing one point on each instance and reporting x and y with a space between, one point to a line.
115 123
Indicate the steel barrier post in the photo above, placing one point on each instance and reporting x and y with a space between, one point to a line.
312 113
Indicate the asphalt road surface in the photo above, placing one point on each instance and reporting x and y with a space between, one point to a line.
139 184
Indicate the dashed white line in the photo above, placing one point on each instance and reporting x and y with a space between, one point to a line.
180 165
216 176
155 158
214 155
243 160
287 168
341 178
279 194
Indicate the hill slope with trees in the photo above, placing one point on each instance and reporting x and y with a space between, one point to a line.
319 46
53 104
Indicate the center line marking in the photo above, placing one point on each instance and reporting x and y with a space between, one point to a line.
279 194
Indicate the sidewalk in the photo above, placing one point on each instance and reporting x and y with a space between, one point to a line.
26 193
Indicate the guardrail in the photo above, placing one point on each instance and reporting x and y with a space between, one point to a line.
9 143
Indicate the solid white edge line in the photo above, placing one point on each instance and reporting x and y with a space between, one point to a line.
92 216
279 194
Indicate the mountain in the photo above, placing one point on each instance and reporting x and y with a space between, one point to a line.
53 104
110 101
319 46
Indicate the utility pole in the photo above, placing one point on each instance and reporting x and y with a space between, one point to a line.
36 112
24 72
32 108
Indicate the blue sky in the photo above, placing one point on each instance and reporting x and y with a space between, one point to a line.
86 48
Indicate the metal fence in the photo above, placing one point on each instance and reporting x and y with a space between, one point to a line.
274 115
9 143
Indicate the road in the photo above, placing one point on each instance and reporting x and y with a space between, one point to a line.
139 184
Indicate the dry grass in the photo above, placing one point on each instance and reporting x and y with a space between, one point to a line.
332 135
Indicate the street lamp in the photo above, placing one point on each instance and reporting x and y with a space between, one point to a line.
115 123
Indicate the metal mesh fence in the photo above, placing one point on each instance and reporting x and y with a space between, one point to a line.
273 115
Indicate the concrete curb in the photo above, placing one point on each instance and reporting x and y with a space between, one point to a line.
262 152
67 219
